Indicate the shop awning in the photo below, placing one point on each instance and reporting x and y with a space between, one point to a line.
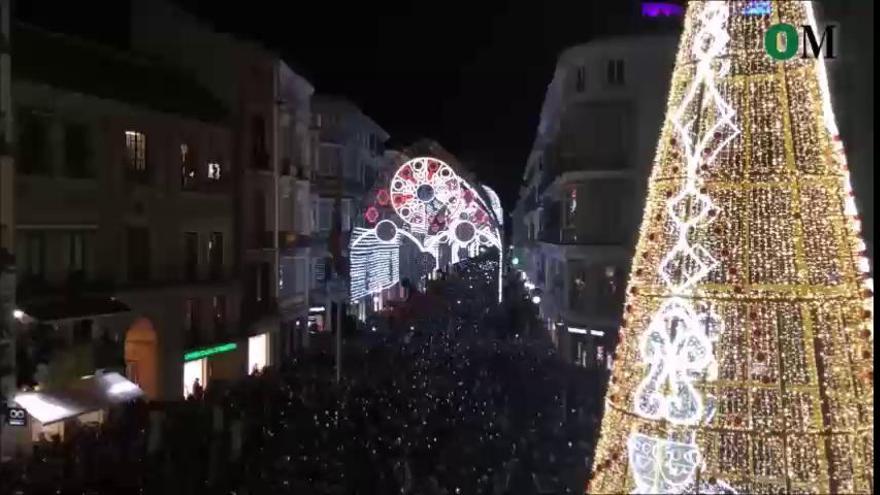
86 395
72 309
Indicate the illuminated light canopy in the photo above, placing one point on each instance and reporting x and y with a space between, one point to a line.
209 351
745 361
431 208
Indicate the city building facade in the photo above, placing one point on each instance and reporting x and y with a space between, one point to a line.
575 222
350 153
269 117
124 219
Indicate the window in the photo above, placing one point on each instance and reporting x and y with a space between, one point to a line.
329 160
580 79
187 167
302 210
263 279
33 258
76 250
325 214
215 255
33 145
214 171
219 312
191 318
138 244
346 215
569 212
191 255
615 72
314 214
301 275
77 151
317 272
259 217
258 151
136 152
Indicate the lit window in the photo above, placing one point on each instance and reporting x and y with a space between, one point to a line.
214 171
187 171
136 150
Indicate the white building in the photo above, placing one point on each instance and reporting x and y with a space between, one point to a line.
349 155
584 186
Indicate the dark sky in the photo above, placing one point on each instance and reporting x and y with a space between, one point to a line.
471 75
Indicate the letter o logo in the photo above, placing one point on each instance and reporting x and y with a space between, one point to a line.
771 41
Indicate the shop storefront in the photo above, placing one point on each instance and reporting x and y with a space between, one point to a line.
259 352
207 364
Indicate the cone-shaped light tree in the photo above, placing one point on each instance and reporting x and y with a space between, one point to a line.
745 358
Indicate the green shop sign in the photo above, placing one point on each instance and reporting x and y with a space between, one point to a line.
209 351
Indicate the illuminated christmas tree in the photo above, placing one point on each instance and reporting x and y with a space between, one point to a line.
745 358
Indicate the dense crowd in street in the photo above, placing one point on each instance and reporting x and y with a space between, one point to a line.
462 401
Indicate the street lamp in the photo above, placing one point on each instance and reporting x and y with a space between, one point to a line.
536 299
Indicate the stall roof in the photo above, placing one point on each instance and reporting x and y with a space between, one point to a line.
86 395
64 309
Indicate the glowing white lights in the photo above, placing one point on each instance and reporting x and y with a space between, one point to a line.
435 209
44 408
580 331
375 260
123 388
536 299
18 314
676 347
662 466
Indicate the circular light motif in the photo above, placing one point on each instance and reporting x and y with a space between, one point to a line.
424 190
386 231
464 232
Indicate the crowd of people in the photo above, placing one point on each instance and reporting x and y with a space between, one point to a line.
461 401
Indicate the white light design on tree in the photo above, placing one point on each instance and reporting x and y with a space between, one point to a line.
677 345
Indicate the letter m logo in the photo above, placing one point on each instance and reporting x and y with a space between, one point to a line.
815 47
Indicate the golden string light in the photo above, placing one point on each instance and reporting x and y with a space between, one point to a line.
792 380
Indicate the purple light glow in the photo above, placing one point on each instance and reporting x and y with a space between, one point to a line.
657 9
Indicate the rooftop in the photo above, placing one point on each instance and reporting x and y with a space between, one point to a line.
89 68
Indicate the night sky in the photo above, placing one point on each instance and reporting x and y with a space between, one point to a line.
471 75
